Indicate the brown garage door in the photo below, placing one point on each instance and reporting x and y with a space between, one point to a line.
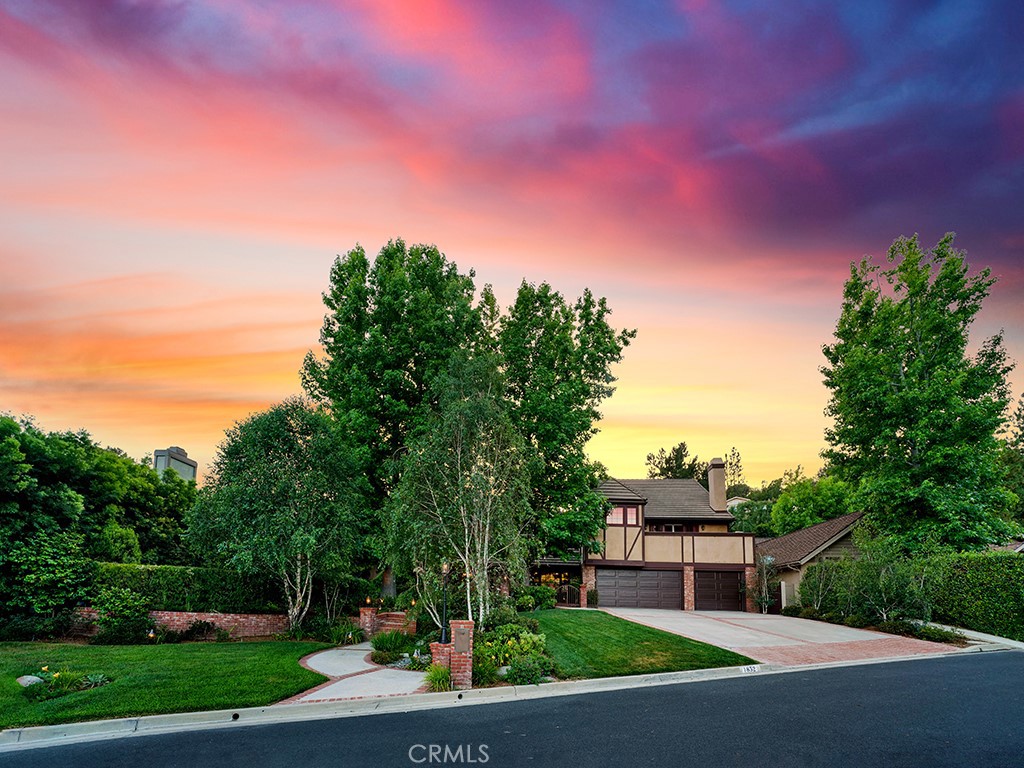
717 591
627 588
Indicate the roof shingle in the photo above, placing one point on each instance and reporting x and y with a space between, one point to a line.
676 499
796 547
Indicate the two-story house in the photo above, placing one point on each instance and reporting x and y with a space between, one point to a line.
667 545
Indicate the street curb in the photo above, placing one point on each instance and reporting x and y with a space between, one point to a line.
971 634
73 733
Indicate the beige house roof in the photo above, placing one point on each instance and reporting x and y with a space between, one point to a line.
798 547
666 499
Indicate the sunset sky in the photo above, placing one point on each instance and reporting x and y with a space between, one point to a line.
176 178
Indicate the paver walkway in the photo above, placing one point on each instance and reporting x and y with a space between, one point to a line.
354 676
781 639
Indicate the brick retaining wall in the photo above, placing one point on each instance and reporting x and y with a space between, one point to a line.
238 624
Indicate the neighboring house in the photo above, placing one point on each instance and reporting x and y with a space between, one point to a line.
792 553
667 545
734 501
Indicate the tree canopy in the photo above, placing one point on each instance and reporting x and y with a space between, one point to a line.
283 500
64 481
914 415
393 328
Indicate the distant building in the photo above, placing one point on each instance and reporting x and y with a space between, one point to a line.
174 458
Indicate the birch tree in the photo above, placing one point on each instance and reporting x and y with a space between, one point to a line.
463 497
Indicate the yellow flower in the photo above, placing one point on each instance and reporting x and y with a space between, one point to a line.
46 669
56 675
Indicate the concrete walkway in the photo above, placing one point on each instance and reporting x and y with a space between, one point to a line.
781 639
354 676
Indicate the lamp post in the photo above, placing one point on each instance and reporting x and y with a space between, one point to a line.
444 603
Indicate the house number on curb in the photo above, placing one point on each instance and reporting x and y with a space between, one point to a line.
751 668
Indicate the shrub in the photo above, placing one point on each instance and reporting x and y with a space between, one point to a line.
809 613
543 597
940 635
526 670
392 641
592 598
504 614
388 647
123 617
439 678
981 591
166 635
384 657
179 588
199 630
41 580
898 627
857 621
509 641
485 671
529 624
525 603
792 610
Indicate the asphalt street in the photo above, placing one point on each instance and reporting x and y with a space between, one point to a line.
953 711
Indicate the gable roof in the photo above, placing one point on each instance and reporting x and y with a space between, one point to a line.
798 547
674 499
616 491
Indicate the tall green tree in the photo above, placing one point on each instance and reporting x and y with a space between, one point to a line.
391 329
675 463
914 415
557 359
464 493
283 501
809 501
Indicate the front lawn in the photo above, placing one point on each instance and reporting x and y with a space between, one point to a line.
593 644
153 679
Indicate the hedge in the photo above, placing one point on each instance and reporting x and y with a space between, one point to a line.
179 588
983 591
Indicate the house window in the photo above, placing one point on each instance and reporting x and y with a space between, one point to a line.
623 516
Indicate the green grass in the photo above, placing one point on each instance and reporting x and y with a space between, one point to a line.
592 644
154 679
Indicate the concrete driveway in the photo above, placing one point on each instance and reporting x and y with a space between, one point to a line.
781 639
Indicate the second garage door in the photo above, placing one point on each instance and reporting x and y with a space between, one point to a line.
627 588
717 591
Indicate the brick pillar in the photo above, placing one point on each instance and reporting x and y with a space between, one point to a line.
751 591
462 655
589 577
689 595
368 619
441 654
583 595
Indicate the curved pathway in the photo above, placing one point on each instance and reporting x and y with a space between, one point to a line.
354 676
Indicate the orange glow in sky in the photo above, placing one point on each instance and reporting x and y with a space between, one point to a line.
178 177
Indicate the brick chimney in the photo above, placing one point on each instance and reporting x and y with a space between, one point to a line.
716 485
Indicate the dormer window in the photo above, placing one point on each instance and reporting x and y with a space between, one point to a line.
623 516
